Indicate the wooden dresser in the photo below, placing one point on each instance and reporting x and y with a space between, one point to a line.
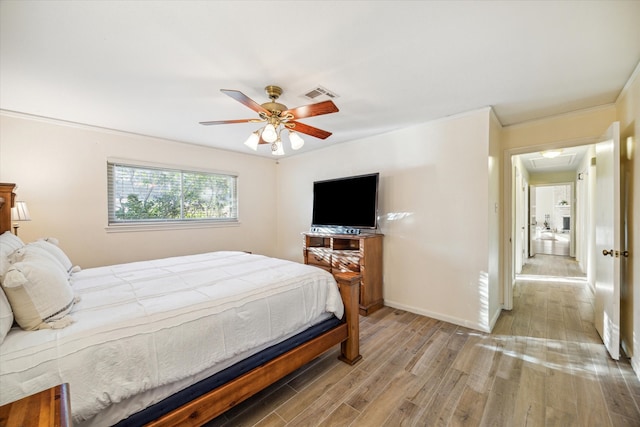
49 408
360 253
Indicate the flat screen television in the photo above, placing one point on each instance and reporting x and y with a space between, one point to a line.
350 202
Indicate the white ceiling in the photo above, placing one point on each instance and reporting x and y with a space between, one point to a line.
156 67
568 160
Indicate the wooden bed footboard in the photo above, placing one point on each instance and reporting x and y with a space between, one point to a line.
219 400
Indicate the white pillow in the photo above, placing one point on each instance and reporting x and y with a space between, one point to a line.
9 242
56 251
6 316
36 254
39 294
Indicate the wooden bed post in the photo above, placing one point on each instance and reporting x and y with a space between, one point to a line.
7 199
349 284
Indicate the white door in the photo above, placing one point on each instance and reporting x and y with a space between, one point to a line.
525 220
519 224
532 220
607 232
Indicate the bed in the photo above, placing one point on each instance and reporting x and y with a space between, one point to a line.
175 341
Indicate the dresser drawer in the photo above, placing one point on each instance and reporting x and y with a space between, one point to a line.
342 262
319 257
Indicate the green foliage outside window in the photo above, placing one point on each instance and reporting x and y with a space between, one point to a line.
141 194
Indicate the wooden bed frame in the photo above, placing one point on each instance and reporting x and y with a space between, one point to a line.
7 200
219 400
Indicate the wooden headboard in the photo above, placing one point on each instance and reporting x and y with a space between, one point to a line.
7 200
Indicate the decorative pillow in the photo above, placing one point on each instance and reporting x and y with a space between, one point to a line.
6 316
9 242
39 294
53 249
36 254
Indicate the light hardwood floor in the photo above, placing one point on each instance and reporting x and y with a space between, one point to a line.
543 365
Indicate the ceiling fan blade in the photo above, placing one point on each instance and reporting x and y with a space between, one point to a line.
309 130
244 99
325 107
226 122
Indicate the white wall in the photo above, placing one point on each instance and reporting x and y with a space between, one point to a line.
495 216
61 173
434 204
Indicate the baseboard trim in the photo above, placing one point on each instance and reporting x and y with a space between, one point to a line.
440 316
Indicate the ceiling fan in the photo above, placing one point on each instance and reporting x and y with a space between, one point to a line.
278 117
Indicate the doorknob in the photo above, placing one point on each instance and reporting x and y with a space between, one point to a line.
625 254
607 252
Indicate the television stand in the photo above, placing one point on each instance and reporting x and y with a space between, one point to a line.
357 253
334 230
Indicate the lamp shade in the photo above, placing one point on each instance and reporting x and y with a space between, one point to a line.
252 141
20 212
296 141
279 151
269 133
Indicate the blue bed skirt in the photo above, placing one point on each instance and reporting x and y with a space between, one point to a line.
182 397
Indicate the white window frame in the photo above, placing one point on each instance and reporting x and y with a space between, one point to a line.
165 224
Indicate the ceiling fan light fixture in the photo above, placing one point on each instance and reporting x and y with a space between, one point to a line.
551 154
276 117
296 141
253 141
269 133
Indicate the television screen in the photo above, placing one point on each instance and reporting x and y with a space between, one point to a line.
346 202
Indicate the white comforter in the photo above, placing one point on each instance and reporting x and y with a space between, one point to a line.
149 324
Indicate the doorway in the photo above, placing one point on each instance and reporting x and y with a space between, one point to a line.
522 166
551 216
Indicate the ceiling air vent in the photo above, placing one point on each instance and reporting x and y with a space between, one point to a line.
318 92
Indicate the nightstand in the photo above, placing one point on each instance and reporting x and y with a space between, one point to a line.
49 408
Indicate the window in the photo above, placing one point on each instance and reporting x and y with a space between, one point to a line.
142 194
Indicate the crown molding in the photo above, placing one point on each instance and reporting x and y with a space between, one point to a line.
630 80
